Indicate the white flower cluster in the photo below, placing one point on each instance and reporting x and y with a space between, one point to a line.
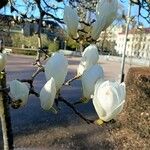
106 11
55 73
108 97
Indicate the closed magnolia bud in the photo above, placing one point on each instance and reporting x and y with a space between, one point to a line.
56 67
47 94
19 91
3 59
71 20
89 58
97 27
89 79
108 99
106 12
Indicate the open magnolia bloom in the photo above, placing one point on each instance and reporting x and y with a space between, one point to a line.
106 12
56 67
71 20
47 94
19 91
109 98
3 59
89 79
89 58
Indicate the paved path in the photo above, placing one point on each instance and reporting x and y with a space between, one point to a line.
38 129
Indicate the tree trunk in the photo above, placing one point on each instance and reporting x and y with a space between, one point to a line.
5 117
103 41
39 38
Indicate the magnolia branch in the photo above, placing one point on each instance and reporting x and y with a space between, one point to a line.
72 79
31 80
61 99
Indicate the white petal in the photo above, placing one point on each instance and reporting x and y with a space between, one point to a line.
3 59
114 113
47 94
71 20
80 69
104 17
97 27
120 89
100 111
89 79
89 58
107 99
56 67
90 54
98 83
19 90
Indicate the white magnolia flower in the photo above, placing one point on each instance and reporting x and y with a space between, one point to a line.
3 59
108 99
89 58
19 91
56 67
89 79
71 20
97 27
47 94
104 17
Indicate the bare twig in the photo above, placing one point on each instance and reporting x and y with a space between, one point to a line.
31 80
72 79
39 70
5 116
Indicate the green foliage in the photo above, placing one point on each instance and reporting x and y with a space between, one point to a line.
72 43
53 46
20 40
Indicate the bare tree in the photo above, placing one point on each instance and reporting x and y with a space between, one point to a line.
144 5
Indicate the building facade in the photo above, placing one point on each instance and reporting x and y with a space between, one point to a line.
138 43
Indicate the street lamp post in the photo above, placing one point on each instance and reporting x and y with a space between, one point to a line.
125 44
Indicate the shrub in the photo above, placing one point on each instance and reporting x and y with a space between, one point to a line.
23 51
138 101
139 77
28 42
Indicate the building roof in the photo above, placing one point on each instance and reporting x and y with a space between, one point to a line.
138 30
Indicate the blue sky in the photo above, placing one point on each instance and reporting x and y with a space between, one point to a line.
134 11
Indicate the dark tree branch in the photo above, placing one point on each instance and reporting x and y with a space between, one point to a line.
61 99
31 80
72 79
